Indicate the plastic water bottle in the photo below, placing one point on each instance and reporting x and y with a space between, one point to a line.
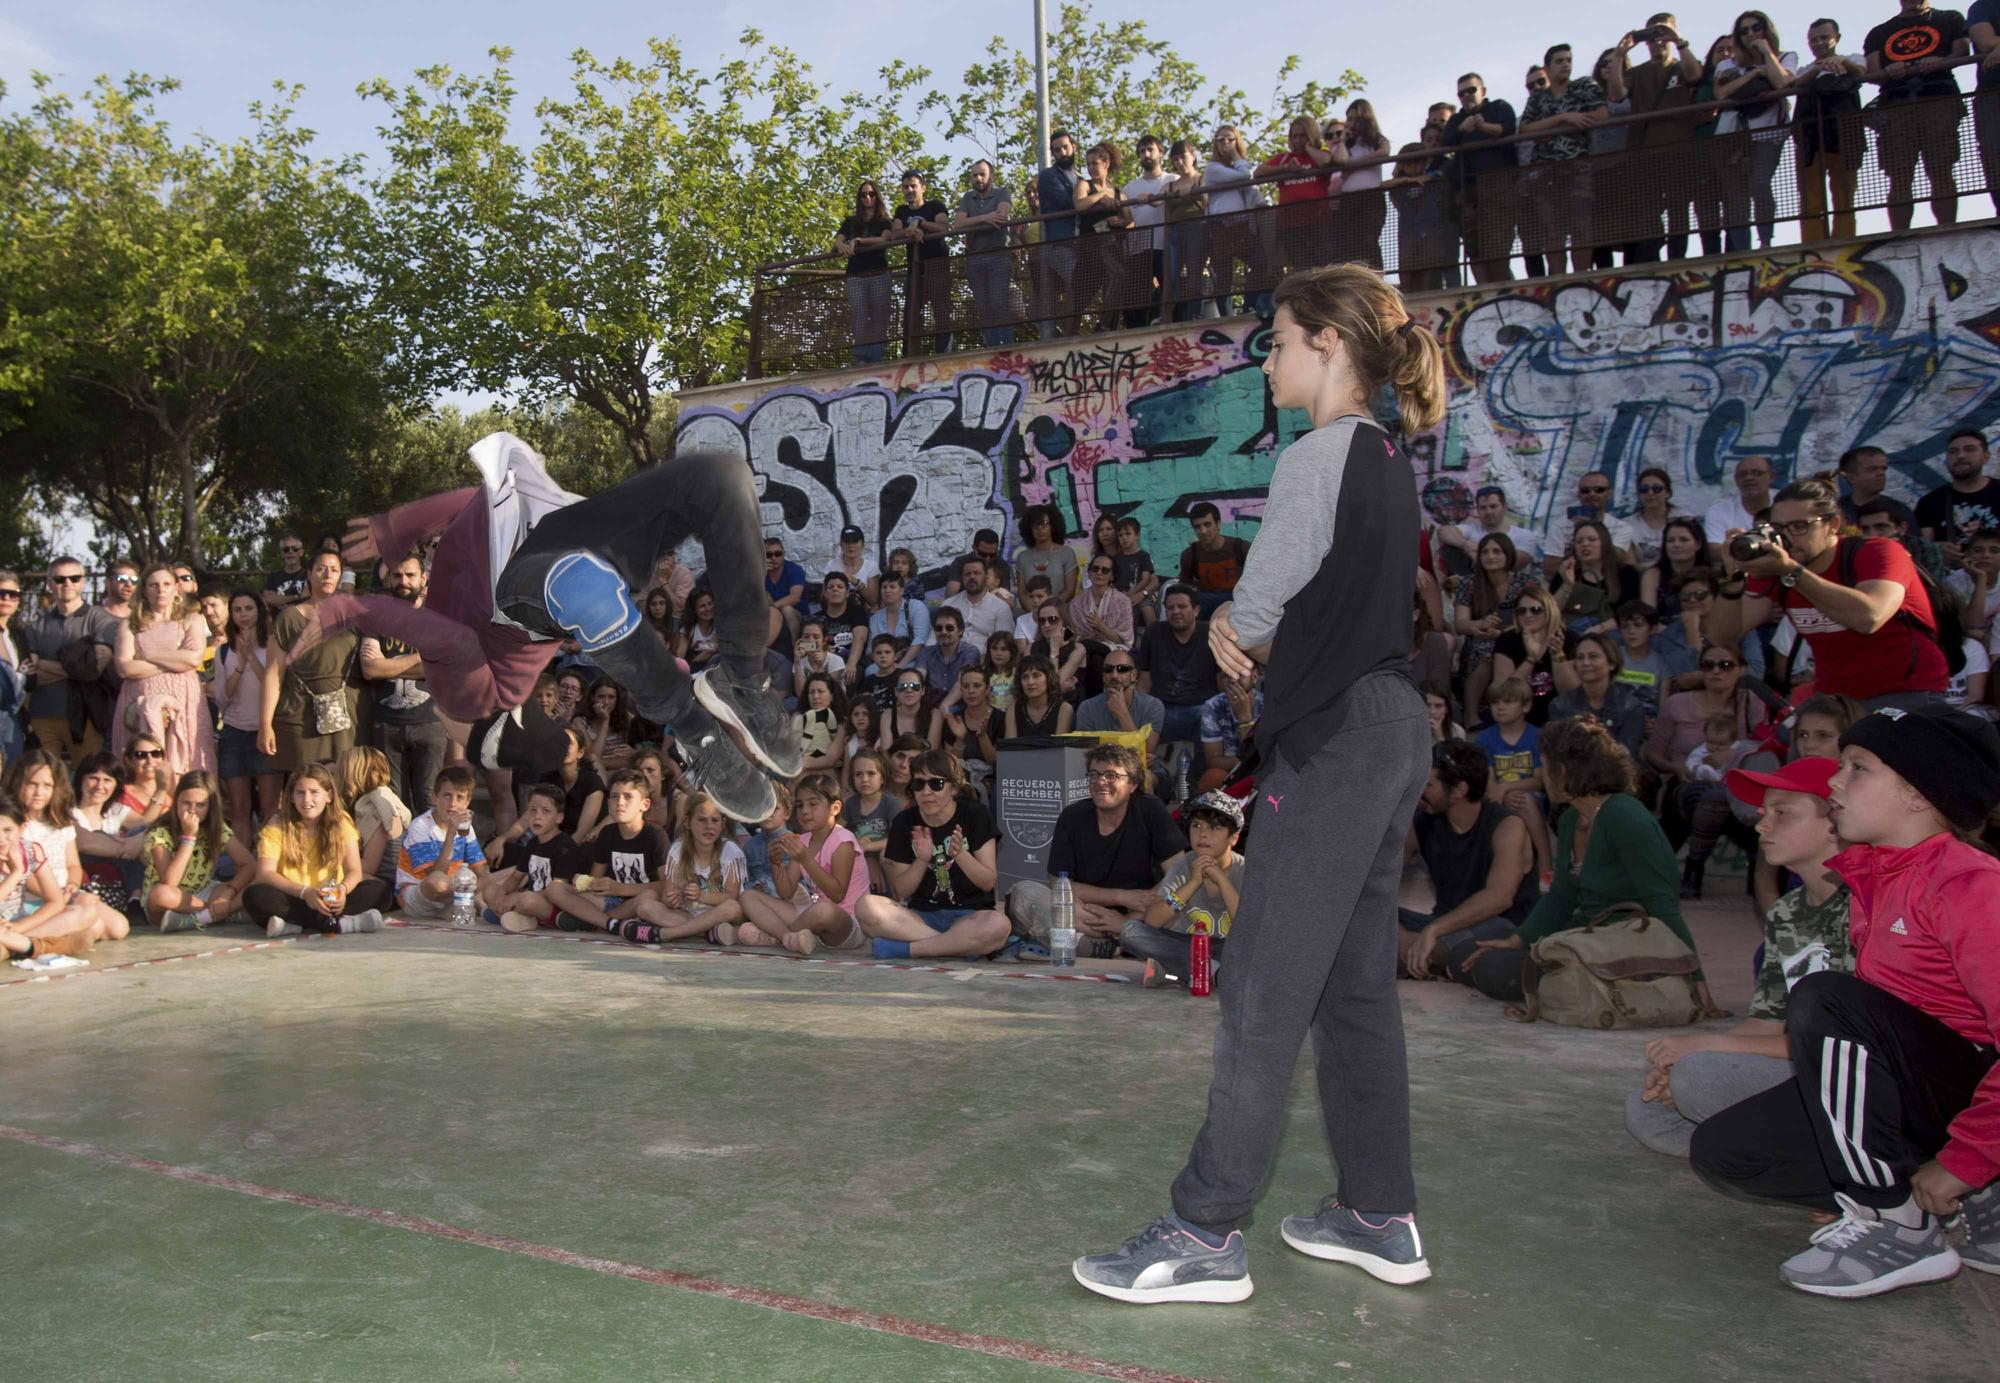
1062 923
464 892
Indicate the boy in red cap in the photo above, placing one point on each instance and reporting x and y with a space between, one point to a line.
1692 1077
1892 1116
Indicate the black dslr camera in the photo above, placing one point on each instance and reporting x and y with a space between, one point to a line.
1758 540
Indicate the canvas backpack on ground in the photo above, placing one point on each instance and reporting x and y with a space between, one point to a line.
1621 969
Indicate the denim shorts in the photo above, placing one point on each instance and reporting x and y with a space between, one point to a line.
944 919
236 754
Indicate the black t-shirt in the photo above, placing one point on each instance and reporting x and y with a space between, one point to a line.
1912 38
934 248
942 885
1539 675
639 859
1130 857
542 860
587 782
1128 569
846 633
1952 516
1183 674
880 688
289 584
1476 161
400 700
875 261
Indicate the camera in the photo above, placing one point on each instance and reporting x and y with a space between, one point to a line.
1656 33
1758 540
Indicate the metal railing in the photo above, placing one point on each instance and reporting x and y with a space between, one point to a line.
1698 192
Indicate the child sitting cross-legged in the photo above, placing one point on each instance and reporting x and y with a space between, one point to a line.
309 865
818 878
437 844
626 862
181 854
703 891
1202 886
533 853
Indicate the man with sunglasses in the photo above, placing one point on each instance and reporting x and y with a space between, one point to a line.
287 585
1859 603
68 637
1121 706
121 583
1484 206
1593 501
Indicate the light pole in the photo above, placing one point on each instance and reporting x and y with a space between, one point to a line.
1041 149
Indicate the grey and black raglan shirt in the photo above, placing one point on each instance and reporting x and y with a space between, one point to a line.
1331 578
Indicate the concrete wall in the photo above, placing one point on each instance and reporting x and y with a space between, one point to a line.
1789 354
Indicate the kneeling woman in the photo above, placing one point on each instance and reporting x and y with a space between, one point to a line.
1609 850
181 855
309 865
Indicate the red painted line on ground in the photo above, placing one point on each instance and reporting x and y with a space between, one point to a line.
47 977
1019 1350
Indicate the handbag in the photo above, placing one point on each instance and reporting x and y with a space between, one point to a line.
331 714
1621 969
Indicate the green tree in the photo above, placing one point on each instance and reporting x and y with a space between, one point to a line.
1114 80
157 293
611 263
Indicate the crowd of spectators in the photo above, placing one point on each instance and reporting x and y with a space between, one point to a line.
1623 155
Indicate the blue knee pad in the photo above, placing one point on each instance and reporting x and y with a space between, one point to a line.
586 596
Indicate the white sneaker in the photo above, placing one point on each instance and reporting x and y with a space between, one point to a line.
278 927
367 921
1867 1251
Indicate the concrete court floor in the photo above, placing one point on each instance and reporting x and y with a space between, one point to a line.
932 1146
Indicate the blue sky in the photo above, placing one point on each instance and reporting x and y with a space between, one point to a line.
227 52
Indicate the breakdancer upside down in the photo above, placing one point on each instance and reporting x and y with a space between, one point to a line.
521 564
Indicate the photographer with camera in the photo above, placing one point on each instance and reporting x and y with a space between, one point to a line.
1859 602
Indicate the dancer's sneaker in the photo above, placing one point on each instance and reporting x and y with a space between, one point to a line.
716 765
755 710
1867 1251
1980 1216
1384 1246
1168 1261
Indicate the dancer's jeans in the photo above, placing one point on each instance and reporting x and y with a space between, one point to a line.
1313 949
709 496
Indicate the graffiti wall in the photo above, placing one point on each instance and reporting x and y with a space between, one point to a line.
1789 355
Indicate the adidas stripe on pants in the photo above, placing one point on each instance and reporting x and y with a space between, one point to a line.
1875 1085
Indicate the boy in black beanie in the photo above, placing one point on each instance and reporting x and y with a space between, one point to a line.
1892 1116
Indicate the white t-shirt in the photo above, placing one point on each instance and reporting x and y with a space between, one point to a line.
1363 178
990 616
1560 527
1976 662
1024 628
1959 583
871 570
1776 112
1646 541
836 668
1724 515
729 856
55 842
1524 541
1150 213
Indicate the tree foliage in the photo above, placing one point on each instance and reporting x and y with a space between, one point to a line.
1114 80
611 263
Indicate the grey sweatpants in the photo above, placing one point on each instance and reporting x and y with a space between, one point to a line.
1313 949
1703 1084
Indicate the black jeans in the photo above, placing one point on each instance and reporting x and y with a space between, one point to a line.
415 753
1875 1085
1313 949
266 901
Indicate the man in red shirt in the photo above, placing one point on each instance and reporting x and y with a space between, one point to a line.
1869 619
1892 1115
1214 560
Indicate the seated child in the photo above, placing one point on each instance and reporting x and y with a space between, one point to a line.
436 844
1892 1115
626 861
819 878
1693 1075
878 683
533 853
1202 885
31 924
702 892
182 850
1702 800
869 810
1513 747
1719 751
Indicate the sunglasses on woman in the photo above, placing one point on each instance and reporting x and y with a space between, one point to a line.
930 784
1721 665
